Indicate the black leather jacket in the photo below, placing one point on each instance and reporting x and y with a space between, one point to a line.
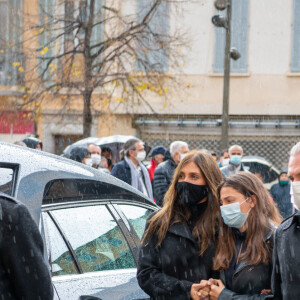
249 280
162 178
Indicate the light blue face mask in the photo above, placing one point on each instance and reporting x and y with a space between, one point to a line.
232 215
235 159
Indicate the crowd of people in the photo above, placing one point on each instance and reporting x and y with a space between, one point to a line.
219 233
153 179
219 236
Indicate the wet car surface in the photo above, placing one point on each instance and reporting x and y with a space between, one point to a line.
91 222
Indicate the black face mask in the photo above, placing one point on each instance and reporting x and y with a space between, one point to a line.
109 162
190 194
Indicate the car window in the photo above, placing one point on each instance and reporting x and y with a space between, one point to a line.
137 216
95 237
6 180
65 189
62 262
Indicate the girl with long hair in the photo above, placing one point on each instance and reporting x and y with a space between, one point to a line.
178 245
244 251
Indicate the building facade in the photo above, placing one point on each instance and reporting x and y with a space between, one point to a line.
264 84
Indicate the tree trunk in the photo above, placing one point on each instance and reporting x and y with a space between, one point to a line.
87 114
88 78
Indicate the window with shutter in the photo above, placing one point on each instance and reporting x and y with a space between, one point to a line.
11 58
153 42
239 38
46 38
295 57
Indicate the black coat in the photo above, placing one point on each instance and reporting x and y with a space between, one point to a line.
249 280
281 195
168 272
23 271
121 170
286 260
162 178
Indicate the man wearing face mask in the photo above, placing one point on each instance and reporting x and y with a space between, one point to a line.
286 255
131 170
280 193
95 151
164 172
235 161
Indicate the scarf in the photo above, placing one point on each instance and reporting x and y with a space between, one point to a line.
135 180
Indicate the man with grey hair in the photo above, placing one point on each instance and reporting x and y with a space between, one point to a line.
95 155
286 254
235 161
164 172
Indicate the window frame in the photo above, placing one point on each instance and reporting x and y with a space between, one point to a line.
123 216
15 168
220 40
119 222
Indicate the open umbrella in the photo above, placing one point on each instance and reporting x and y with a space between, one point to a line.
114 143
257 164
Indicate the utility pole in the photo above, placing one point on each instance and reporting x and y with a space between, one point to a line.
220 21
225 110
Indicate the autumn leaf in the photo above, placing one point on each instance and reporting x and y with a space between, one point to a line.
44 51
16 64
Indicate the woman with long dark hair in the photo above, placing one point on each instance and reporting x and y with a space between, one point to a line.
244 251
178 245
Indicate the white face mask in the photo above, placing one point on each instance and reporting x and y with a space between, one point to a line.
182 156
295 194
141 156
96 159
225 162
88 162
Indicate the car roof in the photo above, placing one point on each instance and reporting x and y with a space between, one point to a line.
259 159
39 175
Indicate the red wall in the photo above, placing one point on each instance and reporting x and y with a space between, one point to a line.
16 122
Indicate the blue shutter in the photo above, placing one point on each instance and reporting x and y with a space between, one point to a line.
155 53
11 13
15 36
239 38
46 14
98 30
5 63
295 61
219 51
240 26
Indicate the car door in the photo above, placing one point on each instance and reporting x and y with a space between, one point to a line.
90 252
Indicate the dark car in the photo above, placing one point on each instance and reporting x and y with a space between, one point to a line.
91 222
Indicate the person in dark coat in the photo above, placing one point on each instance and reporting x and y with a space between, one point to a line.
280 193
164 172
34 143
245 244
131 170
286 256
23 270
157 157
177 248
81 154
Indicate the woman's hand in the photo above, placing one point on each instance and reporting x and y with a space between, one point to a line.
216 288
200 291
